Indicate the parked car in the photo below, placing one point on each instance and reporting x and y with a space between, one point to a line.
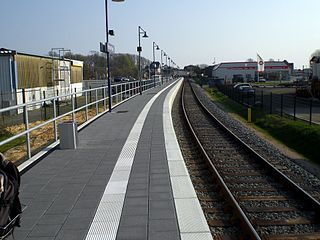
117 79
238 85
121 79
244 88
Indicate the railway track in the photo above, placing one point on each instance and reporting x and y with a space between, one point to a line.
239 189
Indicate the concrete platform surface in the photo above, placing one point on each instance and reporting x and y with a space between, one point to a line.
117 184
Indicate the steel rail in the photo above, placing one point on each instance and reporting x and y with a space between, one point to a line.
245 222
309 201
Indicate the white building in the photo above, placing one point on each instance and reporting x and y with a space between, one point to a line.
39 76
230 72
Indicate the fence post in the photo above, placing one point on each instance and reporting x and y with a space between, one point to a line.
262 99
58 104
26 122
281 105
294 107
73 106
104 99
97 103
90 96
310 121
45 105
86 97
75 98
2 115
254 98
271 103
55 121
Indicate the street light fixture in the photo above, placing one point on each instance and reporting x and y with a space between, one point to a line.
108 53
139 49
154 47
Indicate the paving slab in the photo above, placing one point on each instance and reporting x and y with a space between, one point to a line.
63 191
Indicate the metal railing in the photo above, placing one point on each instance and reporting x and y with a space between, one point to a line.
297 108
81 107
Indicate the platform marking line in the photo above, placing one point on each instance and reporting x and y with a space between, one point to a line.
191 220
107 218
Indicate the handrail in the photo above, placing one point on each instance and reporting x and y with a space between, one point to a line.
127 90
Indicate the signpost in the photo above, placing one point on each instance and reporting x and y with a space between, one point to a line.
110 48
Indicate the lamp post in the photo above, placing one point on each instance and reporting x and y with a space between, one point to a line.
139 49
154 47
108 53
161 67
166 64
169 59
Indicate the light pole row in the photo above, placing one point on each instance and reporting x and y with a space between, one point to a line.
108 47
107 51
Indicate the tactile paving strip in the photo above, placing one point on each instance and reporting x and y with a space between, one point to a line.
107 218
191 220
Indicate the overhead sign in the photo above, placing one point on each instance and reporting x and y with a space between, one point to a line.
104 49
111 48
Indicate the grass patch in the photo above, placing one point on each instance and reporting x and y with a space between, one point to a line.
300 136
4 135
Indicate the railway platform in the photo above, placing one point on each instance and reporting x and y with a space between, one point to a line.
126 180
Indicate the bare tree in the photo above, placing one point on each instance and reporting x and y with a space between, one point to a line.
250 60
316 53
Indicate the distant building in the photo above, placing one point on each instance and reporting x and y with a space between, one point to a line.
192 70
230 72
36 74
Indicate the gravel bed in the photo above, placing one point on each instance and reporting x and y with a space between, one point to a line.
191 157
233 232
256 193
303 169
254 186
263 204
219 205
275 215
246 178
296 229
218 216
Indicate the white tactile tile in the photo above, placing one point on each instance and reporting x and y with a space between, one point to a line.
119 176
174 154
112 198
106 221
191 220
177 168
190 216
104 236
101 228
108 212
182 187
116 187
196 236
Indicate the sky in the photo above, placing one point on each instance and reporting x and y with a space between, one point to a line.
189 31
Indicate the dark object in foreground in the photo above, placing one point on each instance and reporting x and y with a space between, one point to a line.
10 206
